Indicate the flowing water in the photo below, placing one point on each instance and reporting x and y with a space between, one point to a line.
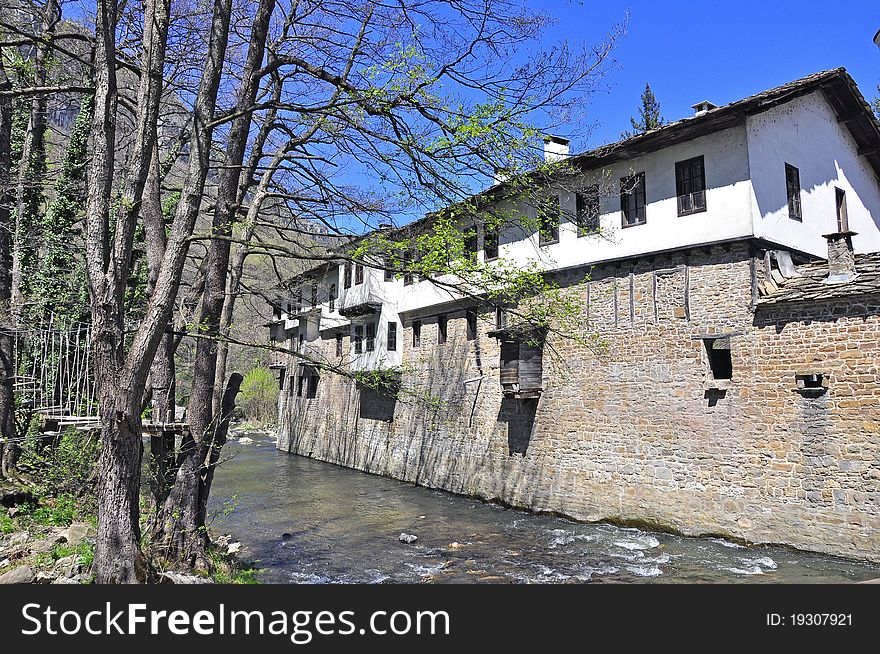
306 521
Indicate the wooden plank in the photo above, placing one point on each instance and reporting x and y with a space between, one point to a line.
530 367
509 362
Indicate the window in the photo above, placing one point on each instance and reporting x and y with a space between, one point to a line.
314 295
793 190
470 244
720 363
548 221
442 323
339 345
389 274
471 325
332 297
311 386
407 268
500 318
302 337
371 336
490 241
392 337
632 200
358 338
417 333
842 220
587 211
281 381
299 385
346 275
358 274
298 302
690 186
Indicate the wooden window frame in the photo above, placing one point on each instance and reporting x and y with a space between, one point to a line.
346 275
589 203
416 334
685 178
793 192
358 273
491 235
471 317
370 337
633 186
358 339
392 337
549 219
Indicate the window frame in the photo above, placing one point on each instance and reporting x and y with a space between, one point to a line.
346 275
416 334
471 318
594 225
442 329
792 178
687 166
544 219
493 235
358 273
370 337
391 338
358 338
638 186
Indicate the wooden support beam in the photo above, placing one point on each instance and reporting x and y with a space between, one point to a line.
868 150
849 117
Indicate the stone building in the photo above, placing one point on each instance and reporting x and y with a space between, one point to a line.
732 385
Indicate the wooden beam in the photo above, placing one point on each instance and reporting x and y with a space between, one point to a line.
868 150
849 117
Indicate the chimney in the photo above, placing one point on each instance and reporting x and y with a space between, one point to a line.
499 176
384 227
555 148
841 260
703 107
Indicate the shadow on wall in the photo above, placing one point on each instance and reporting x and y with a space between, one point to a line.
520 418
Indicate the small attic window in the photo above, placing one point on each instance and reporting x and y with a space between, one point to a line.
718 353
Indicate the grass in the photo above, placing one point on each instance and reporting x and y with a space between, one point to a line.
231 571
7 524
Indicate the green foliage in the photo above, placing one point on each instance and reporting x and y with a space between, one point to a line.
57 511
259 396
63 471
7 525
60 286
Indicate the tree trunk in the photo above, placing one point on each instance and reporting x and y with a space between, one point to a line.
183 524
162 373
7 354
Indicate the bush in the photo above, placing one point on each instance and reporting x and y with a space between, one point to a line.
259 396
64 471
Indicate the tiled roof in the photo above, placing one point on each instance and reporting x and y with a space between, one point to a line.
811 287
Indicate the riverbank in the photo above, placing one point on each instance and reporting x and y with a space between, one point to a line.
51 540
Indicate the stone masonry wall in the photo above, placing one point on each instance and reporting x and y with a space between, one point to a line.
632 428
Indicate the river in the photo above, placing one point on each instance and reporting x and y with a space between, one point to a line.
305 521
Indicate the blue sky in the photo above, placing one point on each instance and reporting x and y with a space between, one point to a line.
720 51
